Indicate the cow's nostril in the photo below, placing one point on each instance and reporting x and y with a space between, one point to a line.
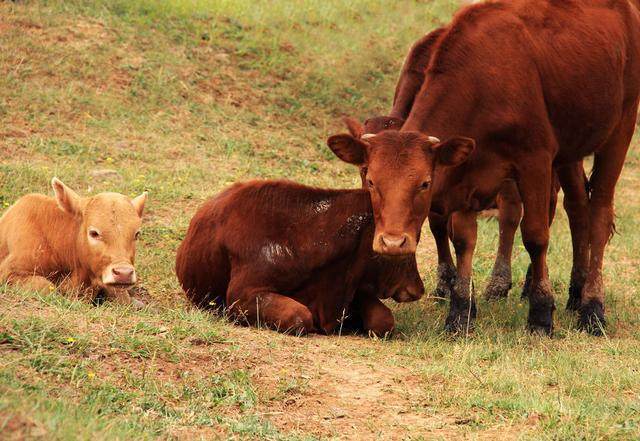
393 241
122 271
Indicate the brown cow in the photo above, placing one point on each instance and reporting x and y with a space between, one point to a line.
507 202
536 84
85 245
293 258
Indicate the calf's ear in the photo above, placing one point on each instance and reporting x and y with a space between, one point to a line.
454 151
68 200
138 203
348 148
355 128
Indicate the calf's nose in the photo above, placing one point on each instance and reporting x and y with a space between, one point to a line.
123 274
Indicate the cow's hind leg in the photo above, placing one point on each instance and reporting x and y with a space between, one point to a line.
10 273
576 204
446 269
272 310
607 166
509 215
462 309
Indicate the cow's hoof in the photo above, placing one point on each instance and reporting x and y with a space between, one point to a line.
541 315
592 318
460 319
497 289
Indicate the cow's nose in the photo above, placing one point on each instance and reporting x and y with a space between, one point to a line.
123 274
393 241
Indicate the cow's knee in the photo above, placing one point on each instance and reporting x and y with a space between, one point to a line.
295 319
378 320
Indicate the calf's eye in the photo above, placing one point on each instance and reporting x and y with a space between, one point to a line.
369 183
137 236
425 185
94 234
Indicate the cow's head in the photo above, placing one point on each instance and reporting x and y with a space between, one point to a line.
398 169
109 227
398 279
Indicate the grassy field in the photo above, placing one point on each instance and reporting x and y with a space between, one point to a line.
183 97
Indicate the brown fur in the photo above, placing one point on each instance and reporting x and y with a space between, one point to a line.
45 241
293 258
536 84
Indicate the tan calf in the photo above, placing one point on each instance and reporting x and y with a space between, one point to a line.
80 244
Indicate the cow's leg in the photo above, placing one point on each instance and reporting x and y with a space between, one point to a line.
553 203
509 215
462 309
375 316
446 269
607 166
576 203
534 184
12 273
270 309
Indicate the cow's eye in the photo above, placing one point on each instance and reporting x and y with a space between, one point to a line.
137 236
387 124
94 234
369 183
425 185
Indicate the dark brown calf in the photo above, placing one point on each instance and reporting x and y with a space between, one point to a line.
293 258
536 84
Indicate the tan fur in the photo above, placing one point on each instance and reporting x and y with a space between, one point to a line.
44 241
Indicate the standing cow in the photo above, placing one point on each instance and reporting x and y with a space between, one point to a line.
85 245
534 85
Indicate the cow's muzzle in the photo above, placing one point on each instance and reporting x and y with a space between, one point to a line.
122 274
394 244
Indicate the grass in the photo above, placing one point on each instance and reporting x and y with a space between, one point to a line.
181 98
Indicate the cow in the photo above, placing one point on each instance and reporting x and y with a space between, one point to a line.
508 202
293 258
82 245
513 89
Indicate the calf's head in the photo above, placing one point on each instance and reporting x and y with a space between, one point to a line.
398 169
109 227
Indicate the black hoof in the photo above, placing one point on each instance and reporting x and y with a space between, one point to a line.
497 291
592 318
460 319
541 316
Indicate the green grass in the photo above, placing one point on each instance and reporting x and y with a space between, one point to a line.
182 98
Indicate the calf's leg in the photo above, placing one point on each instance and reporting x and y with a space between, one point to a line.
270 309
509 215
462 309
375 316
446 269
11 273
534 184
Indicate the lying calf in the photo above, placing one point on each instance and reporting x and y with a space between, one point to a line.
81 244
293 258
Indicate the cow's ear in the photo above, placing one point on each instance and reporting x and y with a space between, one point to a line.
355 128
138 203
67 199
454 151
348 148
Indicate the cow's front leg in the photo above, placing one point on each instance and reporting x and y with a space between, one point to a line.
462 309
375 316
535 189
264 308
446 269
509 215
